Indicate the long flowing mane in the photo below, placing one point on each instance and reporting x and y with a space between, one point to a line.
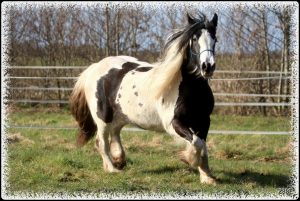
173 54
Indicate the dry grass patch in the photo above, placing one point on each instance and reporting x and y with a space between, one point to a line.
18 138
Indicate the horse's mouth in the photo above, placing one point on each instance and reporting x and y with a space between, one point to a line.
207 75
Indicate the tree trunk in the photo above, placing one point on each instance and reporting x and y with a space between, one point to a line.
107 33
117 33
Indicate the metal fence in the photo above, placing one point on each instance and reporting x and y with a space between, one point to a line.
279 75
263 75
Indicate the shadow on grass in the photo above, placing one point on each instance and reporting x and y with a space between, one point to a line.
170 169
272 180
162 170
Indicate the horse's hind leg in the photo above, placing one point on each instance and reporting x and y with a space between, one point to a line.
102 145
116 149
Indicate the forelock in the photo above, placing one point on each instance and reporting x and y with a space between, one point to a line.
209 26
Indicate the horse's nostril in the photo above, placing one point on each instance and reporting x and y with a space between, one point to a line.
204 66
213 67
208 66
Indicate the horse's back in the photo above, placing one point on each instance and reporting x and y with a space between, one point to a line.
104 65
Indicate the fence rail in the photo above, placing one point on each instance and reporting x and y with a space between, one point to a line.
43 78
66 88
83 67
251 76
216 104
140 130
214 79
36 88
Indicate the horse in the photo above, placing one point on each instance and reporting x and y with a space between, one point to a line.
172 95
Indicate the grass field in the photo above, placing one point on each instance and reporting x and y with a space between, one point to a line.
48 160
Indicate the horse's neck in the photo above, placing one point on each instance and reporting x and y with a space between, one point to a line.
164 74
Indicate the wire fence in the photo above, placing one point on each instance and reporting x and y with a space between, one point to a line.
263 75
217 79
216 104
84 67
62 88
228 132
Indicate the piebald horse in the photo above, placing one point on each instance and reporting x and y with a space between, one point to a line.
172 96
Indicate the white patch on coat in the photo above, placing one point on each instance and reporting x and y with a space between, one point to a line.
135 102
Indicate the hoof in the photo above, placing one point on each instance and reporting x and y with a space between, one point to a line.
111 169
119 163
208 180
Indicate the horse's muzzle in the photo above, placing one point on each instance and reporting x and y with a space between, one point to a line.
208 69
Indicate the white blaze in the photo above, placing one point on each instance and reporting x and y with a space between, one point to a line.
206 44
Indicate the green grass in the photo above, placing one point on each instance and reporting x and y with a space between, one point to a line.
48 160
250 123
62 117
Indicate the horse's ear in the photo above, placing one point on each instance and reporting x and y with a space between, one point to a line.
191 20
215 20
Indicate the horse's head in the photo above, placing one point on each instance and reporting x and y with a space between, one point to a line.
201 48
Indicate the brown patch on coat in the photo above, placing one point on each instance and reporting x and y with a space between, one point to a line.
143 69
107 88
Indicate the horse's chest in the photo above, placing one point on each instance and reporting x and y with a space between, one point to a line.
195 99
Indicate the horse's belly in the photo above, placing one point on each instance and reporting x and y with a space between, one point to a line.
145 119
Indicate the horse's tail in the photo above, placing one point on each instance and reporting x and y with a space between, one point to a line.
80 111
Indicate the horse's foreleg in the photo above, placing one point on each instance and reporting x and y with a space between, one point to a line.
205 173
116 149
182 130
196 156
102 145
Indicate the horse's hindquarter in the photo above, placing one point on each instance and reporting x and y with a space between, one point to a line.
102 83
116 92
